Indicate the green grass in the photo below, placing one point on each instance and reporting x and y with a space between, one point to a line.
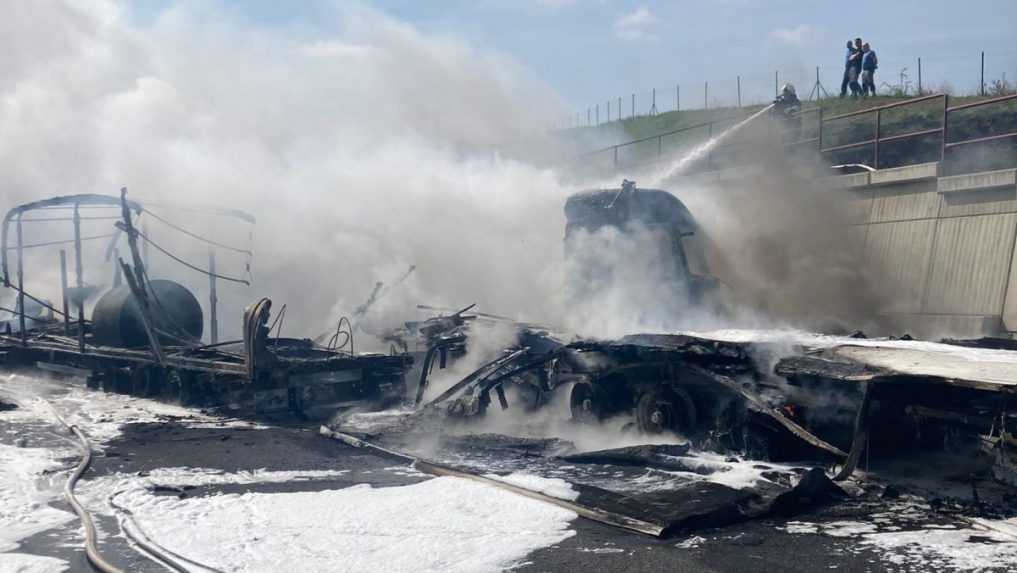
967 124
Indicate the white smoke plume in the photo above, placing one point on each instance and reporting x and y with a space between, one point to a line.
361 150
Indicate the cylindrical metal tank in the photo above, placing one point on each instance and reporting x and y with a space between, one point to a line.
116 319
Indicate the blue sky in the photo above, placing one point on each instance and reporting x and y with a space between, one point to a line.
592 50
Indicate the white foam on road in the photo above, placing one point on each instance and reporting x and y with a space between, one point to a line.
31 478
443 524
553 487
27 486
953 549
929 548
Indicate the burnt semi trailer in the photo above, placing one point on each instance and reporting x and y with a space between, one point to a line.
144 335
769 400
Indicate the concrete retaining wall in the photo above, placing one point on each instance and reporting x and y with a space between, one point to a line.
945 245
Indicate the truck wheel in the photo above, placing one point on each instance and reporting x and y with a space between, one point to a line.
586 402
663 410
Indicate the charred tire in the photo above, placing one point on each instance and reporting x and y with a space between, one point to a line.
586 402
661 410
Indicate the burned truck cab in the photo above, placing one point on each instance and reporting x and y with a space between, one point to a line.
640 244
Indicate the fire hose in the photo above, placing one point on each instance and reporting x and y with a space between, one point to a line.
149 548
91 551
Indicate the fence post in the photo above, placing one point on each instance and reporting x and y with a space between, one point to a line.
619 109
946 124
615 156
588 117
609 111
633 106
709 152
875 145
738 79
776 83
983 74
706 95
677 97
598 114
919 77
63 287
819 137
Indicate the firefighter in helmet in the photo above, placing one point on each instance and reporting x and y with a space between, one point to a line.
788 109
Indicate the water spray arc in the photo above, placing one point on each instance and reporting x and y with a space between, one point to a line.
684 162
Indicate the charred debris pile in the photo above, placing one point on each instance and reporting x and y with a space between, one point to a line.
708 431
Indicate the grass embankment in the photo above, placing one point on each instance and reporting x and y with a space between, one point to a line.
963 125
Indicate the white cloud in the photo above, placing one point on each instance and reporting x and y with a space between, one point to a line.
637 25
800 35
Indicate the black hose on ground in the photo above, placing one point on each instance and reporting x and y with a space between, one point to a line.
91 551
149 548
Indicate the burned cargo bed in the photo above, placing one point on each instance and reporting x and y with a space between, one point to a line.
300 377
145 335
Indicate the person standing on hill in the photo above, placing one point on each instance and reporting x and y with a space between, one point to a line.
847 69
869 65
855 68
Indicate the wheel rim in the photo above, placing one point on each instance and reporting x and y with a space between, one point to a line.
584 403
659 411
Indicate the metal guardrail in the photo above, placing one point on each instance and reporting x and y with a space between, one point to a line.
879 139
659 138
874 142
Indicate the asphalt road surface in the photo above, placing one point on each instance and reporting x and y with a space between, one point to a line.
139 440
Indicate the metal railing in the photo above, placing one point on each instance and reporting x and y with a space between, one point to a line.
823 127
879 140
613 150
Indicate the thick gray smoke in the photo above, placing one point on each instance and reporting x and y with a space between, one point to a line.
361 152
785 247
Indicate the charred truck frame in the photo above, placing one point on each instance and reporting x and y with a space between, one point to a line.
833 401
144 336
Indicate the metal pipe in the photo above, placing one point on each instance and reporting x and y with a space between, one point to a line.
213 301
984 102
875 146
983 74
911 101
63 290
819 138
981 139
21 288
946 121
919 76
144 245
865 143
901 136
118 274
79 278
